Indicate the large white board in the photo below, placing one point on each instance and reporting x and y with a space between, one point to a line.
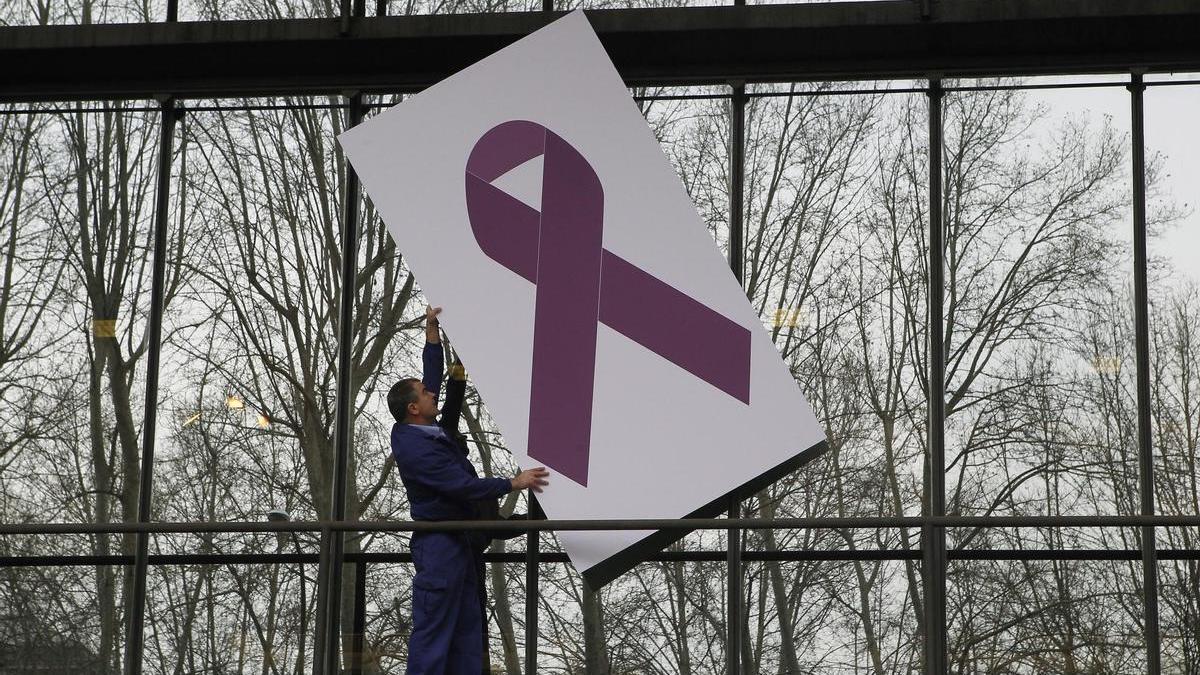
598 319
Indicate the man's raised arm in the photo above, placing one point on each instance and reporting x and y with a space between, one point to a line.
432 356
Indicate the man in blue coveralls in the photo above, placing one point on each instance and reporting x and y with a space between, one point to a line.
448 590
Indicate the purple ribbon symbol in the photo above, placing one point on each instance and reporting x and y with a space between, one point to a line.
581 284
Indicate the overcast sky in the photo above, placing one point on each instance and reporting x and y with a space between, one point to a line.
1172 128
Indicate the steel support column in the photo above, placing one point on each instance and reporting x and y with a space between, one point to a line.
737 155
1137 89
136 611
933 538
333 542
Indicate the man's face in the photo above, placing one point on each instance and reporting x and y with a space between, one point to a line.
425 407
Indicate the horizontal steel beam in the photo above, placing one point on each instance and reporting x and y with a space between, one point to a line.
510 526
687 45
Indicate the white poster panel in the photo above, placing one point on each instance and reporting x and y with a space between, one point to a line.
597 317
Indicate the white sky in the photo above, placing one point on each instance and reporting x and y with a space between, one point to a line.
1171 128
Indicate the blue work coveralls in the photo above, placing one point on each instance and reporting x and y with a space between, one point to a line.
449 593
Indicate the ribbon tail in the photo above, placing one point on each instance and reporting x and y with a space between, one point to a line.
671 324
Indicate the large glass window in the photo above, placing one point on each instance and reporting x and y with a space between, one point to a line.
1040 398
55 621
836 211
1047 616
249 345
1173 172
1040 404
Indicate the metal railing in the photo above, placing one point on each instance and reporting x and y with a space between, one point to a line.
327 655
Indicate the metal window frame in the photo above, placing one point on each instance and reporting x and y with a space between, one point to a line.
745 44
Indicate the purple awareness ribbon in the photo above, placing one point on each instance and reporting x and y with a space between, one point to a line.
581 284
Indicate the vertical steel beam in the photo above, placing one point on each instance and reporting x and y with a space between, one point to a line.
381 7
737 178
733 557
136 611
333 543
1137 90
532 559
172 11
933 539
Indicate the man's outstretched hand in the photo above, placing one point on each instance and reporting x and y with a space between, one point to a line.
432 335
534 479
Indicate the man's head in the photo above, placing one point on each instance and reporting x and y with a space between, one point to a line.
411 402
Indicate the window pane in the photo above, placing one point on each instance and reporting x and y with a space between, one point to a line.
1178 602
836 211
844 617
62 619
230 618
694 135
246 408
1173 223
1045 616
77 211
1040 404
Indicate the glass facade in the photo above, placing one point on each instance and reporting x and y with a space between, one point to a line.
1021 194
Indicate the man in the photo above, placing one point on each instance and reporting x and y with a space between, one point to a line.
448 589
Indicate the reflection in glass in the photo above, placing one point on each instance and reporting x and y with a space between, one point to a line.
1040 404
229 618
55 622
1045 616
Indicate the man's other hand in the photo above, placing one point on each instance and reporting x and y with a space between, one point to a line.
432 336
534 479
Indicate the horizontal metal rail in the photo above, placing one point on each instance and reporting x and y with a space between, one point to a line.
518 557
875 522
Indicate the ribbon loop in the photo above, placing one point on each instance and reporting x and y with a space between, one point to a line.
580 285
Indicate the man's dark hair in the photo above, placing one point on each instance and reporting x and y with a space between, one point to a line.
400 395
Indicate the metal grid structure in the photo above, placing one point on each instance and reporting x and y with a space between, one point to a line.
922 39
